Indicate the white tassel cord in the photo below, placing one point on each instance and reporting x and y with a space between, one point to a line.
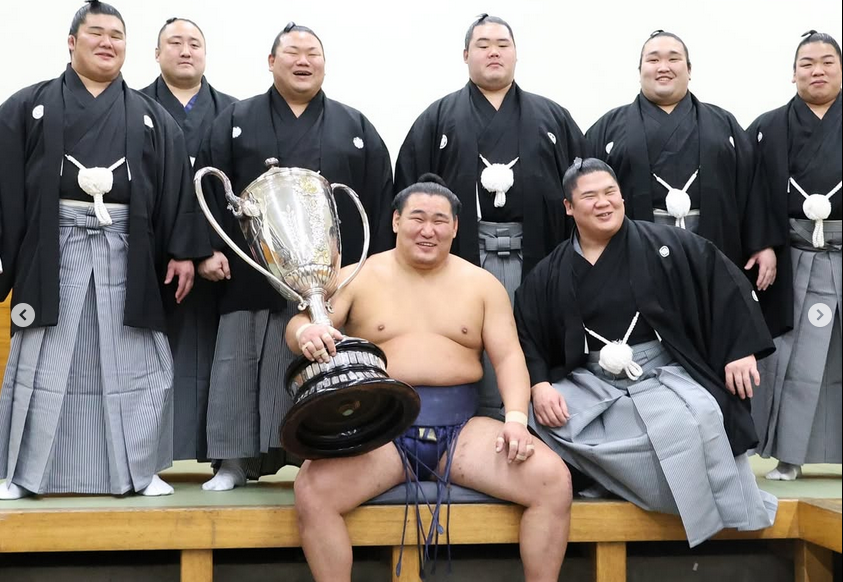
498 178
97 182
817 208
616 356
678 202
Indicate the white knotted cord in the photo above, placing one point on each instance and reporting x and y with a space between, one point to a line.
616 356
677 201
96 182
498 178
817 208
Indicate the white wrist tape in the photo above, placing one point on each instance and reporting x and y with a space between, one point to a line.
516 416
300 331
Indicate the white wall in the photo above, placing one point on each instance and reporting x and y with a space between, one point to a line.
391 58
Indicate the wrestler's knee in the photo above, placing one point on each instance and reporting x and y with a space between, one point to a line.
313 488
550 483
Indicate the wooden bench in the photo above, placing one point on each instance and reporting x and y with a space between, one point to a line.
607 526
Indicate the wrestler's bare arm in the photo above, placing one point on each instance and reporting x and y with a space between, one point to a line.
500 340
341 303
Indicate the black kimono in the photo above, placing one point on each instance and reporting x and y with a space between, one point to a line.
164 220
207 105
639 140
86 403
247 400
332 138
793 142
192 326
700 304
797 406
448 139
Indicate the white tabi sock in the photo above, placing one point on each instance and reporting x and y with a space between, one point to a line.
156 487
785 472
10 491
229 475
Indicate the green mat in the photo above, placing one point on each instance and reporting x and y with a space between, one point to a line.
818 481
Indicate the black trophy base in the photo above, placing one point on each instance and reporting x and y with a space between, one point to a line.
346 407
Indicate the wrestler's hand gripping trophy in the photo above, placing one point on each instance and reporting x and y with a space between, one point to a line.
349 405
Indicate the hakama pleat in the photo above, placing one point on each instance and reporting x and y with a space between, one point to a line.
660 443
86 406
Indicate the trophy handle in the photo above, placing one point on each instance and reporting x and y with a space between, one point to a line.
356 199
238 208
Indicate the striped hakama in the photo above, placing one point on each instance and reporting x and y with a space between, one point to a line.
797 407
248 398
501 255
660 443
86 406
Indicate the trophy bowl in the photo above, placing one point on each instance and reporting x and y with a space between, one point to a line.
288 218
348 406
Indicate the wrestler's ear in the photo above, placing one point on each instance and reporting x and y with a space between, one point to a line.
456 226
395 217
569 208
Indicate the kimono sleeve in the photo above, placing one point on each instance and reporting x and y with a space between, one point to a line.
216 151
12 189
189 235
533 323
415 156
754 224
595 139
378 189
759 226
575 144
735 328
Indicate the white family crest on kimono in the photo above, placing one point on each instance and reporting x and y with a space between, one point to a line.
498 179
616 356
97 182
677 201
817 207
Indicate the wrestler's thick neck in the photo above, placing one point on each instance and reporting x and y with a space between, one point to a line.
419 269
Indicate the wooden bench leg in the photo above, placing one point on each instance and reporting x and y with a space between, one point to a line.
409 564
609 561
197 566
812 563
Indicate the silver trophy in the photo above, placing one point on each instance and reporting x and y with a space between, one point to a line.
289 220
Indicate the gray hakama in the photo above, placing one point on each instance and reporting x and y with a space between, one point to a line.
86 406
192 331
501 255
660 443
797 407
248 399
